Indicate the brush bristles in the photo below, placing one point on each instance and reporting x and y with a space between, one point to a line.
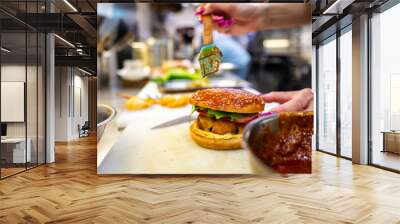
210 59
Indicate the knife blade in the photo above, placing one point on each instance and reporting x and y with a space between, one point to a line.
176 121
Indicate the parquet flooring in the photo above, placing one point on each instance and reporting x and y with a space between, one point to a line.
10 171
70 191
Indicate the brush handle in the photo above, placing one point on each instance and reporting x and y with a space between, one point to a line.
207 29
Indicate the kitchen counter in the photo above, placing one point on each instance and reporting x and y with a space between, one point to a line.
139 150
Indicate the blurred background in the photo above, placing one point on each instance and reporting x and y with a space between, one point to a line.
135 38
150 51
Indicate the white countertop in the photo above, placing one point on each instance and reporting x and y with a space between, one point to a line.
139 150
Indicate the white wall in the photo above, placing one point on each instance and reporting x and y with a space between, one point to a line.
33 127
12 73
71 94
62 81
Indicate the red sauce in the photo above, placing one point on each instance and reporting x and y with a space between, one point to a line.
289 150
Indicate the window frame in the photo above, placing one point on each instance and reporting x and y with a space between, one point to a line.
31 30
378 10
333 37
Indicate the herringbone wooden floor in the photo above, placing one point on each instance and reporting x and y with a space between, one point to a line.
70 191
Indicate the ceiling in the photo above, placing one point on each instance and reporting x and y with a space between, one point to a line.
72 20
326 22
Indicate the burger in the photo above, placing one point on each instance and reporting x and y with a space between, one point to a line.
223 113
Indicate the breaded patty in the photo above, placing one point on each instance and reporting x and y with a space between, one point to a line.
218 126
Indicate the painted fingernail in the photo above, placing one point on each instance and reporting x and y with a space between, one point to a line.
200 11
217 18
224 23
229 22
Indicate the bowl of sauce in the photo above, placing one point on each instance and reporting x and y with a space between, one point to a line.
280 142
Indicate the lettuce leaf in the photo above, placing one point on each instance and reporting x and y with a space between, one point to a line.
177 73
222 114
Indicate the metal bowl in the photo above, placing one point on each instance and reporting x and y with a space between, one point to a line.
105 114
263 131
254 136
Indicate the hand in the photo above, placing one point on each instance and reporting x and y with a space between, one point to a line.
241 18
291 101
231 18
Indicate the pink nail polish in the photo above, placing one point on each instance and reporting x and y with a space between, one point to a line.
218 18
225 23
222 24
200 11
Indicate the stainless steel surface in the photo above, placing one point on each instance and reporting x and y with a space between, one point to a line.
256 130
105 114
159 51
176 121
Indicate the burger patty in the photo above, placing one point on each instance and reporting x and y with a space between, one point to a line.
218 126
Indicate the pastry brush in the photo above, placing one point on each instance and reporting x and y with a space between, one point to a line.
210 55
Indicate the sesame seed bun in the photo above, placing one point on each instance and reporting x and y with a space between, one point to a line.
228 100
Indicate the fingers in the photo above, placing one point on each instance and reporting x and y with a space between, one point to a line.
226 30
222 22
279 97
210 8
199 11
205 9
303 101
310 107
219 15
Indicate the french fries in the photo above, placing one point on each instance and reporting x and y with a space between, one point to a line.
174 101
137 103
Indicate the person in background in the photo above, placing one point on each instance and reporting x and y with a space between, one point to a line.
242 18
233 50
233 53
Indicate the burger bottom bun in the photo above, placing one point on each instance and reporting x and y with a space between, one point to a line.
215 141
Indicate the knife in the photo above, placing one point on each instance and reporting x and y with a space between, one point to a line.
176 121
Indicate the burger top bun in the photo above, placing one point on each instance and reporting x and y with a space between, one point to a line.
228 100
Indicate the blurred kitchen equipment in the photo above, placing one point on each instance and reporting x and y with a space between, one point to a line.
210 55
105 114
227 66
140 52
184 46
134 70
176 86
223 67
115 39
159 50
